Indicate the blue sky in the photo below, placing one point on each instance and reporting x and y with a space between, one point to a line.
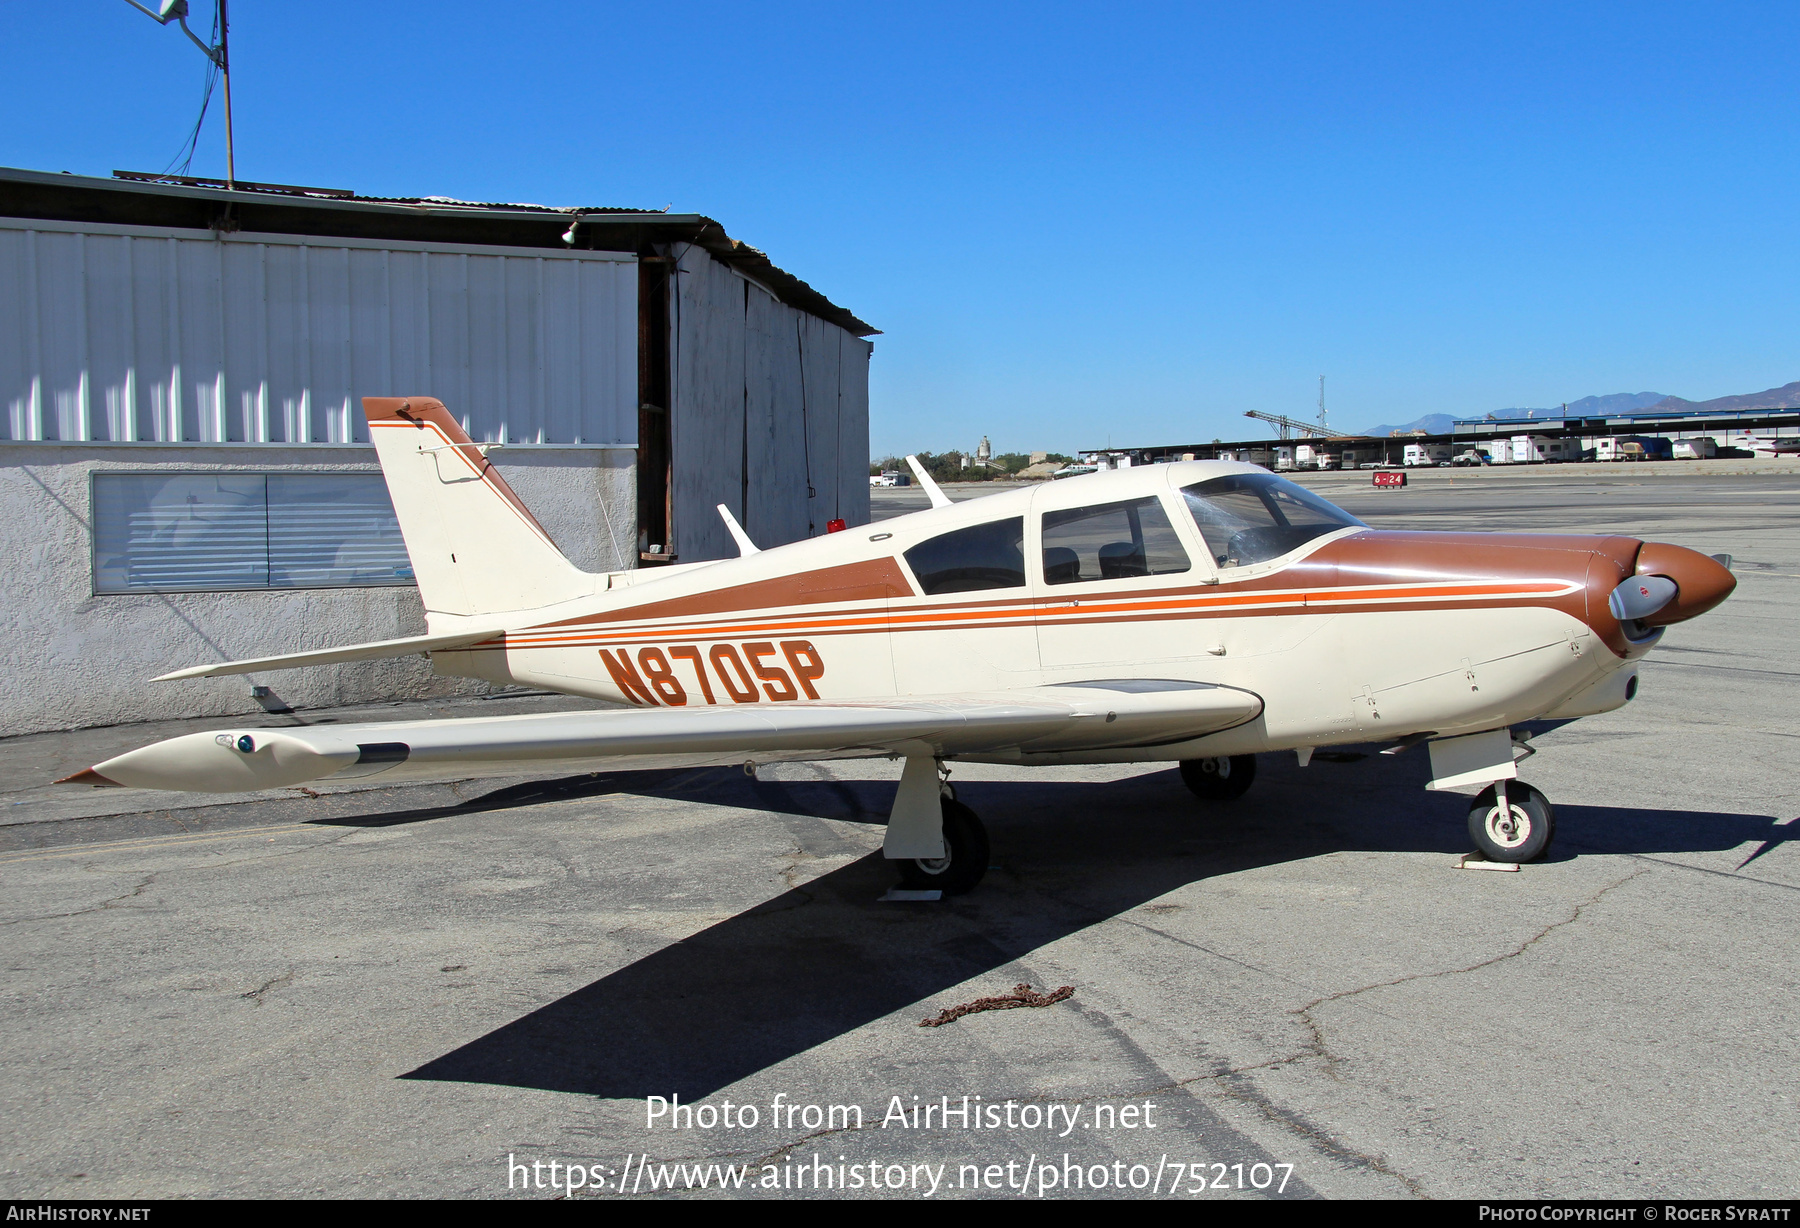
1073 224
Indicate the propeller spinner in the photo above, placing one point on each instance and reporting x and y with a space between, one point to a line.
1641 596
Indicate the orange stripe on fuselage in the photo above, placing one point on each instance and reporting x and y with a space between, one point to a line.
1040 611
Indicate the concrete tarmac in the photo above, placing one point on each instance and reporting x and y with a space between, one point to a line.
442 990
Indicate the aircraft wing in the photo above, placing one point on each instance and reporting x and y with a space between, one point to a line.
331 656
1074 717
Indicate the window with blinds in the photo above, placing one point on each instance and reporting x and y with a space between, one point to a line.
185 532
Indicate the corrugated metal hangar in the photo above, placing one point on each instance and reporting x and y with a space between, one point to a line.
183 456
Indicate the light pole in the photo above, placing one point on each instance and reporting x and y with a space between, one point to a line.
177 10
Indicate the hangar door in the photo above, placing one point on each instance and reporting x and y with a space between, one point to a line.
134 334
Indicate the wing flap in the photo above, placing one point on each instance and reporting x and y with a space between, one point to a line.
1039 719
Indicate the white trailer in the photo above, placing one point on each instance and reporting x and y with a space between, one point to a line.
1703 447
1426 454
1500 451
1535 449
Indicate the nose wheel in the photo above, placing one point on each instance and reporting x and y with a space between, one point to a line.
1219 779
1518 830
965 859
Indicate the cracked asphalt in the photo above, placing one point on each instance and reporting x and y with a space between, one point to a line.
381 992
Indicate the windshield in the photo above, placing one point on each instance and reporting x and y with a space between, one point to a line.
1249 517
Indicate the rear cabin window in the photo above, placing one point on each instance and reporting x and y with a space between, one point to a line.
981 556
1111 541
1249 517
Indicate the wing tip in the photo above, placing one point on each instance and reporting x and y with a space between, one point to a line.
88 776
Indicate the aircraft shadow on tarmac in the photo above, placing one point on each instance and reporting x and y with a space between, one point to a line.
824 959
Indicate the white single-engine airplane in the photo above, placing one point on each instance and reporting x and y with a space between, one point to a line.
1199 613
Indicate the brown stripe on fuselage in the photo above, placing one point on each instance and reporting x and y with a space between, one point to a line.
870 580
1594 566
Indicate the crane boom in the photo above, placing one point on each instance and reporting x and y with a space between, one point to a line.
1289 424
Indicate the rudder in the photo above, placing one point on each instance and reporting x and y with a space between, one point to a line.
475 547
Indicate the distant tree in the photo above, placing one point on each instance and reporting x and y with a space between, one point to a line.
948 466
944 466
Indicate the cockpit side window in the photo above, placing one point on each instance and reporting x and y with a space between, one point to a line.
1111 541
1250 517
990 555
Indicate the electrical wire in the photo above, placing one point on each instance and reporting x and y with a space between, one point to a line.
185 156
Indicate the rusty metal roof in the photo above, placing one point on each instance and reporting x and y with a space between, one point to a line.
188 202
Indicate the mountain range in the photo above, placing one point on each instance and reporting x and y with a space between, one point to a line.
1785 397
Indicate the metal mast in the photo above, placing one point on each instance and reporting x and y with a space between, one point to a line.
225 72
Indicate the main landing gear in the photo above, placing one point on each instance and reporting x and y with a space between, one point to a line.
1511 822
1219 779
935 842
965 858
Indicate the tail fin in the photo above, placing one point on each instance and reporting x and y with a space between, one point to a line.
475 547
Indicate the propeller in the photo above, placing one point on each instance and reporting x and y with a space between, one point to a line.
1640 597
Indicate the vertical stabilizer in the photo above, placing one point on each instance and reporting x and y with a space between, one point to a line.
475 547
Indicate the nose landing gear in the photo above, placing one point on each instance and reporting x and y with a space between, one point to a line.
1511 822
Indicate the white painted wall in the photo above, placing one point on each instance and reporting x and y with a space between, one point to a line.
71 659
768 401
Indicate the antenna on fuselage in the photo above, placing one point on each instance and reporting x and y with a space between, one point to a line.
745 546
938 497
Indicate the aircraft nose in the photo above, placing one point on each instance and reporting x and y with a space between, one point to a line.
1701 581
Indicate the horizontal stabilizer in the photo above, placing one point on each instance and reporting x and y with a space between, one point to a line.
1048 719
333 656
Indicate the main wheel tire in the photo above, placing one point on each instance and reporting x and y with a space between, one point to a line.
1219 779
965 862
1520 835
